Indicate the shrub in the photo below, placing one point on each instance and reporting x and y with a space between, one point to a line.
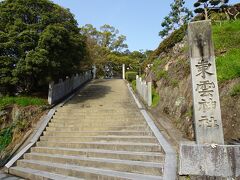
131 75
21 101
162 74
155 97
133 84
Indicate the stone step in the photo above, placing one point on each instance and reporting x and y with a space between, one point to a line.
97 133
100 120
83 172
144 139
91 105
109 118
100 153
118 145
130 121
29 173
93 111
76 128
103 163
103 113
101 108
101 126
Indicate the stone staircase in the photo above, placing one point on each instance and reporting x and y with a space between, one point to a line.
99 134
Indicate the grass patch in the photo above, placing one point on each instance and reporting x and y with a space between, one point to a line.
227 35
155 97
21 101
228 66
227 38
236 90
5 137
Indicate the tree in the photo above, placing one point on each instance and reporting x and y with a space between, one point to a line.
39 42
110 39
104 45
205 6
178 16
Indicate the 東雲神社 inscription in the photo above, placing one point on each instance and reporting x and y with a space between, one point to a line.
207 112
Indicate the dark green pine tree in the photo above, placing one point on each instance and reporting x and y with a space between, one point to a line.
39 42
205 6
178 16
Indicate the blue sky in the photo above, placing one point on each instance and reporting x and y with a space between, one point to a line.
139 20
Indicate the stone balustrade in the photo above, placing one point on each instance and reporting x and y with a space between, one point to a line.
144 89
60 90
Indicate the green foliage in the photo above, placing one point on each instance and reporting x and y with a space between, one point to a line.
110 38
21 101
218 18
156 64
205 6
39 42
5 137
175 37
131 76
139 56
157 69
162 74
178 16
133 84
105 46
155 97
227 39
235 90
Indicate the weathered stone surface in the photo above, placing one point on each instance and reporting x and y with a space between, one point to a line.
210 160
207 113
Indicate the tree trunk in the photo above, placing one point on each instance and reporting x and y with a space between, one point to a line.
206 13
227 15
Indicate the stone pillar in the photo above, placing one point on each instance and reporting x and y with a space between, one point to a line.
94 70
140 86
123 71
145 92
207 113
143 88
50 93
209 157
149 84
137 82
